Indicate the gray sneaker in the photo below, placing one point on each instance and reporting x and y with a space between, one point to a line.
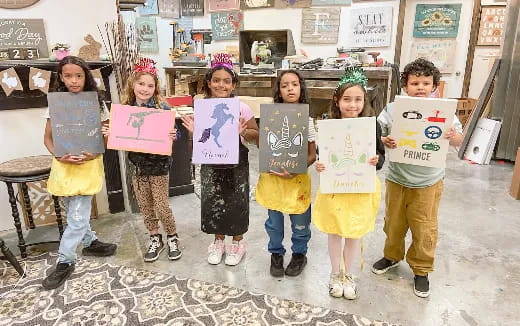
155 247
383 265
174 252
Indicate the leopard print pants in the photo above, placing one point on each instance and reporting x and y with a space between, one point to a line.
152 197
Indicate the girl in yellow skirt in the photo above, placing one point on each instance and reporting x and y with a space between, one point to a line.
75 178
283 192
348 215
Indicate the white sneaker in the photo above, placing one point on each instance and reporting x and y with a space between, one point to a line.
215 252
349 287
336 285
235 252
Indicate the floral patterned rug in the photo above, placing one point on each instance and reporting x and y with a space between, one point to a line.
99 293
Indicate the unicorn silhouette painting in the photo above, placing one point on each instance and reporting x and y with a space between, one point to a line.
284 142
221 114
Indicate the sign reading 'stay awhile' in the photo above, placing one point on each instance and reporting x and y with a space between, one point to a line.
283 137
345 146
215 134
140 129
76 123
419 127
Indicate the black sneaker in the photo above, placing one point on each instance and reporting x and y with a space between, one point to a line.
421 286
296 265
277 265
383 265
58 276
155 247
174 252
99 249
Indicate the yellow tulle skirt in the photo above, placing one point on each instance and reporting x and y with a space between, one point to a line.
289 196
347 215
71 179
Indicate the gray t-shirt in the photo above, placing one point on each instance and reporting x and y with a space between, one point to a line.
408 175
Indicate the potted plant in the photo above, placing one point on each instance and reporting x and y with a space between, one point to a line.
61 50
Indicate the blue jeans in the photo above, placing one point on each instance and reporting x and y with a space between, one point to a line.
301 232
78 227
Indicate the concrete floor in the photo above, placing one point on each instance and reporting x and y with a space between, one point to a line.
477 273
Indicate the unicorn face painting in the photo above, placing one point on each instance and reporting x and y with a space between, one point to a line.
283 137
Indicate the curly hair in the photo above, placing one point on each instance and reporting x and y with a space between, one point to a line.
129 95
421 67
335 112
277 96
209 75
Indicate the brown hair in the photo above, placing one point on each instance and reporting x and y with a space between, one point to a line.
209 75
335 113
129 95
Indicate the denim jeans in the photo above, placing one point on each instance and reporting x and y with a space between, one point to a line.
78 227
301 232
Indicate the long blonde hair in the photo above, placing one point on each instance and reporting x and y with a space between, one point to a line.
129 96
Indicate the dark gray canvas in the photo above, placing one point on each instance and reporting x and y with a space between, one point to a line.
76 123
283 137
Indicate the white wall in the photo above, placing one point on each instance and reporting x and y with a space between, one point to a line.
21 131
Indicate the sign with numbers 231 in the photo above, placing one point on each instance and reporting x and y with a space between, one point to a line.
24 33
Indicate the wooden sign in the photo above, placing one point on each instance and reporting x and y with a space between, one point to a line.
284 137
320 25
169 8
147 34
439 51
434 20
371 27
39 79
346 145
215 135
491 27
223 5
331 3
419 125
281 4
16 4
140 129
149 8
227 25
192 7
24 33
255 4
9 81
76 123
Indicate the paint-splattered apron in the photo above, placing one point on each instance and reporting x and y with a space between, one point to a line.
225 197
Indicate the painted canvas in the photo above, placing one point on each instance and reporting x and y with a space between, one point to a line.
492 21
320 25
140 129
371 26
192 7
149 8
436 20
76 123
146 29
283 137
223 5
345 147
169 8
419 125
255 4
215 135
439 51
227 25
331 3
281 4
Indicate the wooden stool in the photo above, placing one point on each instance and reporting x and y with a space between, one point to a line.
23 170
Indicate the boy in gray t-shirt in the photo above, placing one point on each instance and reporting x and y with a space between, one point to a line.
413 192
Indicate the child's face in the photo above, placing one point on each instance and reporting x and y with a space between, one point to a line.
351 102
144 88
73 77
419 86
290 88
221 84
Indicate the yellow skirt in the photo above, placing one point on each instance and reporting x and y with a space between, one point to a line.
347 215
289 196
71 179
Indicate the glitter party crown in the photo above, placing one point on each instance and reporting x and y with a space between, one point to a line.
222 59
353 75
146 65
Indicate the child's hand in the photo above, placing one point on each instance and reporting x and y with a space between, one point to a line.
187 122
173 134
105 130
71 159
450 133
283 174
320 167
88 156
242 126
373 160
454 137
389 141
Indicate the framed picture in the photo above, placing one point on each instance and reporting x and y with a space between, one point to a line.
24 33
149 8
223 5
436 20
192 7
491 27
371 26
255 4
227 25
439 51
320 25
146 29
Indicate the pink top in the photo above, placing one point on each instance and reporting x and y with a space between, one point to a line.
247 114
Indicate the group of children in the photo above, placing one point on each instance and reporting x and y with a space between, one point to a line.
412 192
